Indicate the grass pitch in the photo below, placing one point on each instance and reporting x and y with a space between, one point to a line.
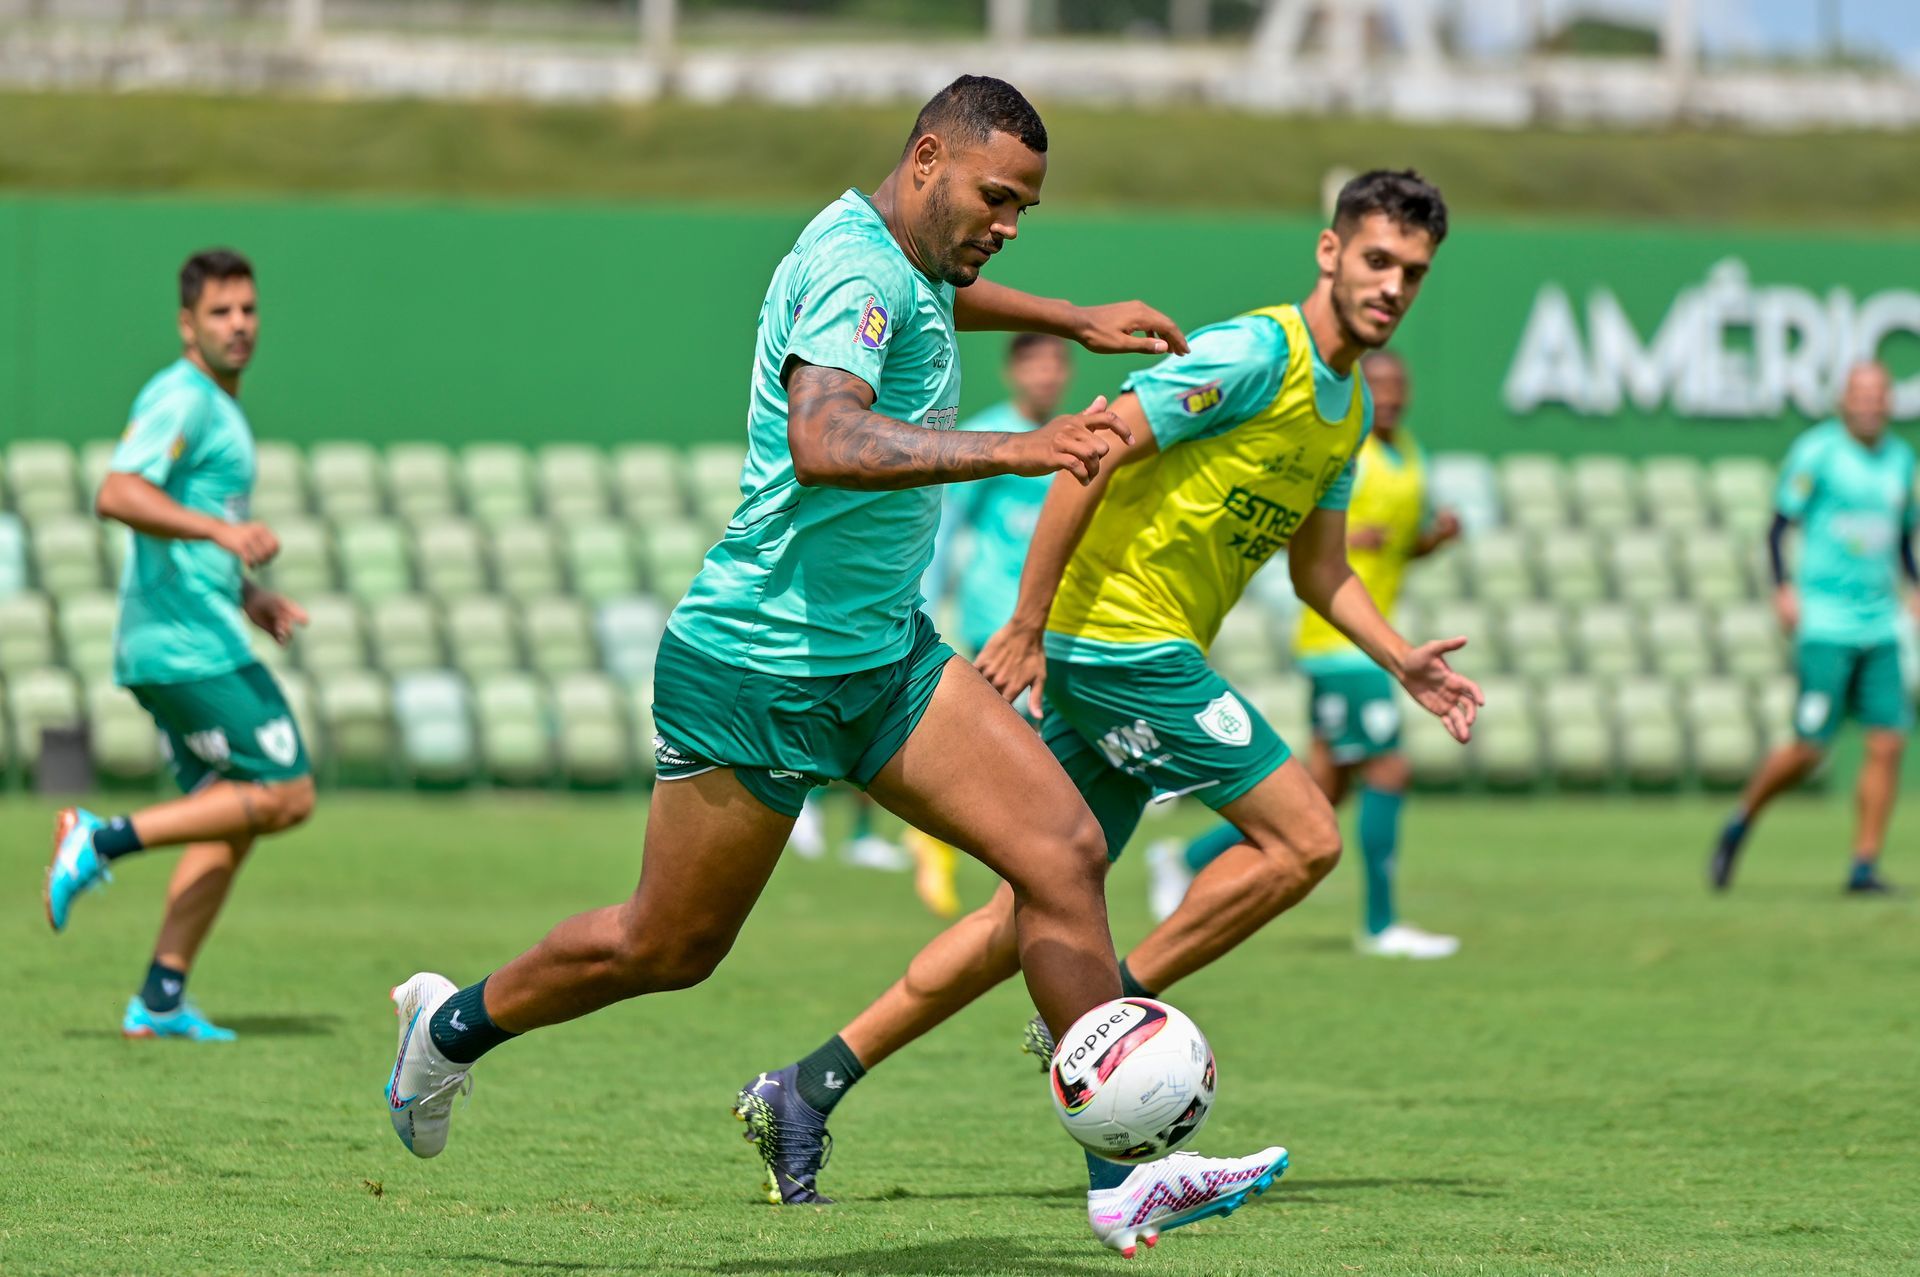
1618 1075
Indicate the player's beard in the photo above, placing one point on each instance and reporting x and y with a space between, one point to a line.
946 232
1347 317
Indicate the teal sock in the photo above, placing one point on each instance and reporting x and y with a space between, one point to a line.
164 989
862 818
116 839
462 1030
1211 845
828 1074
1863 869
1130 987
1379 845
1104 1174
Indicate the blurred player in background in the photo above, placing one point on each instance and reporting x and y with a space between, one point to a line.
182 479
1848 485
1356 707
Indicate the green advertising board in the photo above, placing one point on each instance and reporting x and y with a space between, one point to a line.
606 323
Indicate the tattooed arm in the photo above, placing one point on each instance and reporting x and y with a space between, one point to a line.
839 441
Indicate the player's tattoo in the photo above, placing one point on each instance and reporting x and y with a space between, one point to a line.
846 444
246 805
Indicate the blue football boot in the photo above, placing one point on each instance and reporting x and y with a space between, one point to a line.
75 867
791 1136
185 1022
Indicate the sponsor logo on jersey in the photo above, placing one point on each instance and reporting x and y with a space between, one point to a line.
1200 399
1226 720
799 306
210 746
941 419
872 332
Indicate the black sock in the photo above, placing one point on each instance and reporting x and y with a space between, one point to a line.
116 839
1131 987
462 1030
164 988
827 1074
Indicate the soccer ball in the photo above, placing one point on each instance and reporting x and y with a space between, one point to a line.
1132 1080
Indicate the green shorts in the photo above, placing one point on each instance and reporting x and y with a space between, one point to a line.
784 735
233 726
1356 713
1838 680
1132 734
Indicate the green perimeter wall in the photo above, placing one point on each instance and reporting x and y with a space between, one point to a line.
391 320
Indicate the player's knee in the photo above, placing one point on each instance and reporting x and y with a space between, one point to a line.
1317 849
651 962
1885 746
286 804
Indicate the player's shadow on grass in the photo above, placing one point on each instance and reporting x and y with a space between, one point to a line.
1302 1192
954 1257
256 1026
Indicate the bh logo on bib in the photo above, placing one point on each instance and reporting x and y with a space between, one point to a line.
1226 720
278 741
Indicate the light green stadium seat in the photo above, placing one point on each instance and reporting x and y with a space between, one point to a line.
96 457
280 470
714 468
405 630
1772 697
1713 566
1437 577
592 726
6 735
1579 732
13 556
640 706
1497 566
1721 725
39 699
298 689
375 558
1533 491
600 559
1647 724
1438 760
116 540
1244 648
714 508
648 481
66 554
484 635
526 560
1569 566
673 554
1676 492
1677 644
26 633
304 566
435 718
1507 749
498 480
1456 618
1609 639
1282 700
1642 567
572 480
277 659
629 631
1464 482
85 623
1750 642
1605 491
349 481
559 635
1740 491
276 507
43 479
452 557
1535 638
121 735
355 709
421 476
516 743
333 638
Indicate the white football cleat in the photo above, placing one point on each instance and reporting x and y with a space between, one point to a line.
421 1090
1167 877
1177 1190
1402 940
809 837
875 852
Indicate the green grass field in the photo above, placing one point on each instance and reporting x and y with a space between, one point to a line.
1619 1074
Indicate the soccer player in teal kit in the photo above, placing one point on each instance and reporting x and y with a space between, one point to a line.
1848 485
181 480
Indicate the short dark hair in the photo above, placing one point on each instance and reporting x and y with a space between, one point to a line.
975 107
1023 343
1402 194
212 263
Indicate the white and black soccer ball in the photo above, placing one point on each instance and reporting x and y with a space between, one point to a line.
1132 1080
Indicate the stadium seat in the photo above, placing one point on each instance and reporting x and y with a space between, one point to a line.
355 710
333 638
1506 736
1713 567
86 633
116 539
526 563
1720 722
1647 725
279 480
1750 642
592 725
516 744
600 559
1740 491
1677 641
1605 491
304 566
422 480
647 479
484 634
498 481
673 552
39 699
26 633
559 635
572 479
375 560
121 735
1282 700
452 556
405 630
1569 566
13 556
1642 567
1244 648
1535 638
435 719
1579 736
640 709
1607 637
629 632
1433 579
1772 698
1456 618
349 481
43 479
66 553
1676 494
1533 491
1497 566
1438 760
6 737
298 689
96 457
1464 483
713 470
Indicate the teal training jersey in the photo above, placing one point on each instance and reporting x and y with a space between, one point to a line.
815 581
1853 504
998 515
180 616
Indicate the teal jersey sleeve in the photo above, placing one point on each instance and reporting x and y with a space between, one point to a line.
850 300
1230 374
1340 492
160 434
1800 476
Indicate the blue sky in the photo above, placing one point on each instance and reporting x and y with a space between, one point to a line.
1732 26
